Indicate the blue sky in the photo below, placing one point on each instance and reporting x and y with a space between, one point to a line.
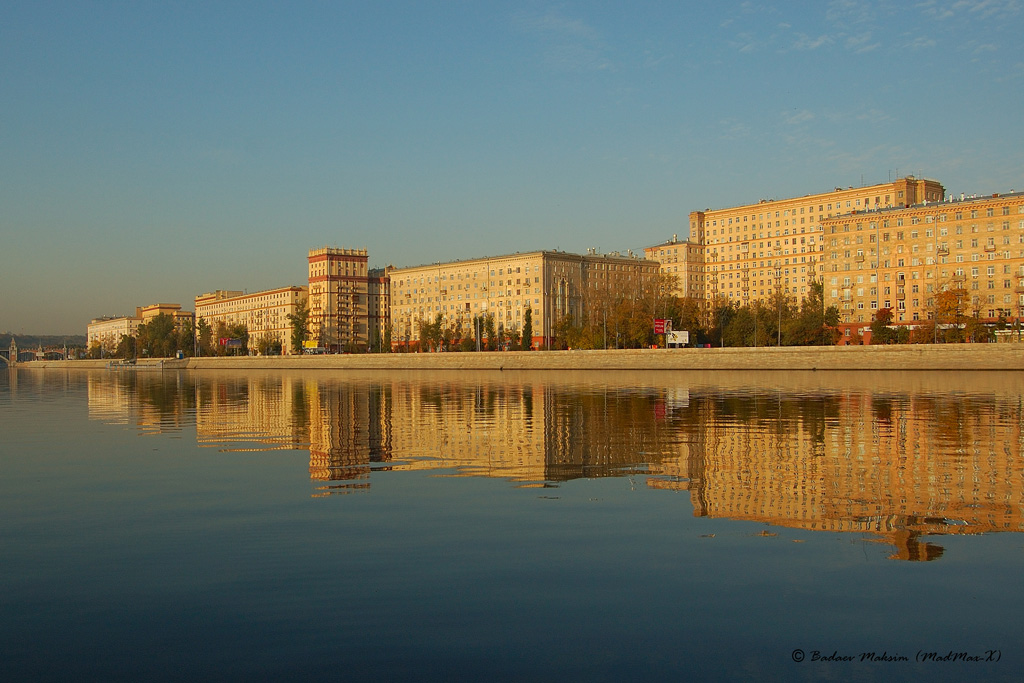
154 151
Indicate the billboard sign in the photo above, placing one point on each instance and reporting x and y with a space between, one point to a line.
680 338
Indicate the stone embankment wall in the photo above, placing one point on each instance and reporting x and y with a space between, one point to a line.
1005 357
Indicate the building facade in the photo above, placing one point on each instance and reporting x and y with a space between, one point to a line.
553 285
745 253
682 260
901 258
264 314
339 316
181 318
378 307
106 332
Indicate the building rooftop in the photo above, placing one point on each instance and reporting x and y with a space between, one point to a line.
819 194
952 200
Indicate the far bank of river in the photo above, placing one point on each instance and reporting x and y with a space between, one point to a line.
952 357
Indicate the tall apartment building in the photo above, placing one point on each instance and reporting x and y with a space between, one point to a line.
743 253
264 314
339 314
900 258
551 284
682 260
378 306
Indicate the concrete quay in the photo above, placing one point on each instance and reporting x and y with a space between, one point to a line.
923 357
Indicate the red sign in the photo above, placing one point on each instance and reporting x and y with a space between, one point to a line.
659 326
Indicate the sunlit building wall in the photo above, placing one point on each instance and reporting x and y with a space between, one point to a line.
552 285
684 261
339 316
378 294
107 332
751 250
264 314
901 258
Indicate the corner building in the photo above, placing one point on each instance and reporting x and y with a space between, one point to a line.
744 253
339 289
553 284
901 258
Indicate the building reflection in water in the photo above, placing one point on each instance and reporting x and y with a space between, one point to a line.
900 459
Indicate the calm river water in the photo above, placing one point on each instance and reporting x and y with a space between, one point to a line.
511 526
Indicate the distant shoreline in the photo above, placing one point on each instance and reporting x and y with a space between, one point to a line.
940 357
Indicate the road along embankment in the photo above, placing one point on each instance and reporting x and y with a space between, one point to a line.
951 357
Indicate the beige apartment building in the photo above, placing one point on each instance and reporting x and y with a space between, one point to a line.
551 284
106 332
378 306
264 314
900 258
339 315
743 253
682 260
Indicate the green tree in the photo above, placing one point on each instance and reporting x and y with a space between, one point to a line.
830 331
299 321
268 345
490 333
527 329
739 331
157 338
690 318
126 348
205 338
807 326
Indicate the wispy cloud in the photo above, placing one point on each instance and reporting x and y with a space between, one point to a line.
805 42
745 42
861 43
920 43
849 12
798 117
733 129
568 44
981 9
653 60
874 116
